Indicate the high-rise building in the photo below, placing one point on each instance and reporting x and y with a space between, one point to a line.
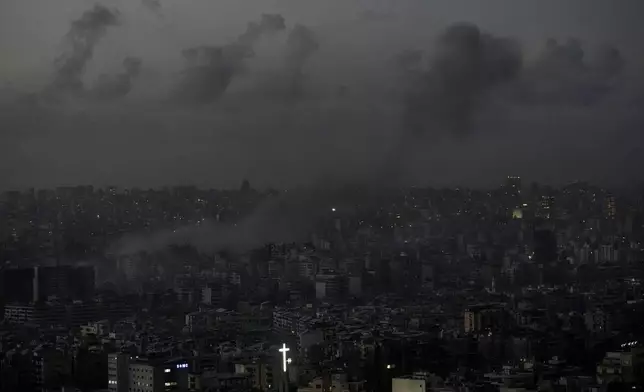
245 186
611 209
52 367
545 246
545 207
117 372
145 377
126 374
330 286
18 285
513 184
63 281
484 318
512 192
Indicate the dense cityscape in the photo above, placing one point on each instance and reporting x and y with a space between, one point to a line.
519 288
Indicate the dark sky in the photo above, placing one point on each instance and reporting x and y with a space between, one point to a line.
488 99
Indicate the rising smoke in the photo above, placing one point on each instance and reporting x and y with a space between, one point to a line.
80 42
470 68
289 217
301 45
564 75
210 69
113 87
466 72
408 61
467 64
154 6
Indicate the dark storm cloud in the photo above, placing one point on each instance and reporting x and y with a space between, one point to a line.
467 64
110 87
80 42
210 69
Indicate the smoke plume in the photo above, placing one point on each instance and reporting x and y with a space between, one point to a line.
409 60
301 44
154 6
210 69
564 75
470 67
269 24
112 87
288 217
470 83
467 64
80 42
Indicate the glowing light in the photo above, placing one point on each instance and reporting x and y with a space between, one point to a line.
333 209
285 361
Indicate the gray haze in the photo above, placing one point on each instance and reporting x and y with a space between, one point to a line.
287 218
425 92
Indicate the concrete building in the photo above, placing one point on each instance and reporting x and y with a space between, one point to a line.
329 286
127 374
408 385
145 377
51 368
118 372
306 269
260 373
480 318
355 286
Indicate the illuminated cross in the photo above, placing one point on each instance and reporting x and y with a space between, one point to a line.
284 350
